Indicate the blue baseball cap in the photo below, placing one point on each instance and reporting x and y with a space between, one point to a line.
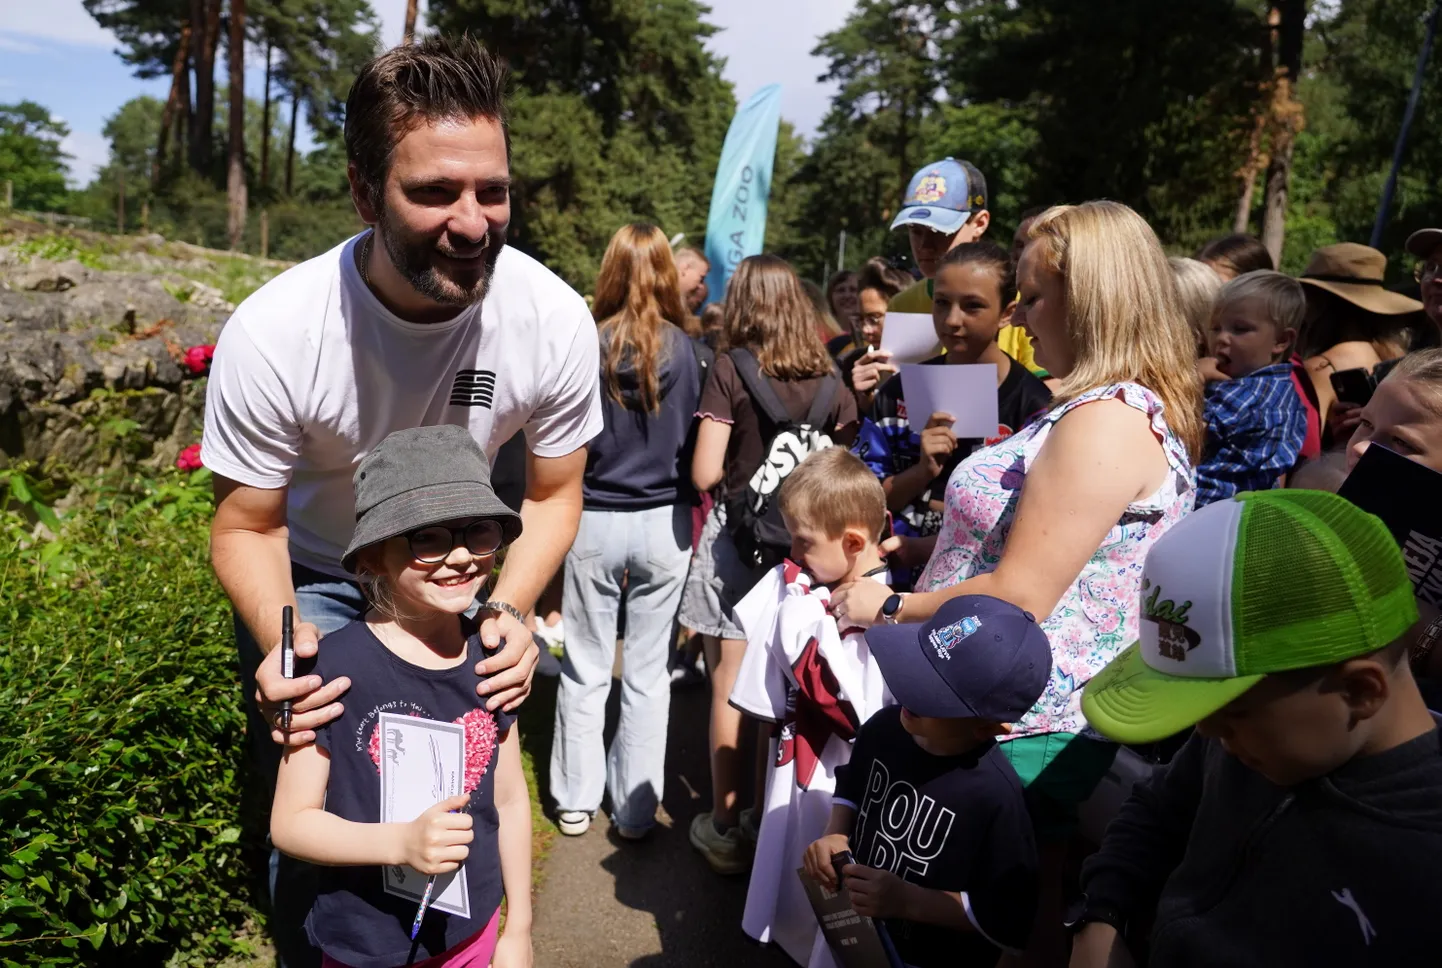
942 196
978 658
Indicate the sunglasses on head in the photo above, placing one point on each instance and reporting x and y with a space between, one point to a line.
434 543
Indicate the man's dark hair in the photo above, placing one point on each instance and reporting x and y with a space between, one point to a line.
438 79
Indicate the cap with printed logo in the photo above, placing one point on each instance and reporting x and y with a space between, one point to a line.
942 196
977 658
1266 582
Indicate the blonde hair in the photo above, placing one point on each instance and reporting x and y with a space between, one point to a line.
1197 287
1123 316
375 585
637 297
768 312
1283 301
832 490
1425 368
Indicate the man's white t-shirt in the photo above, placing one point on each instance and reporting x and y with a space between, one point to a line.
312 371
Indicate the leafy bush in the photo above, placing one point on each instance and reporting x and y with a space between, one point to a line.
122 769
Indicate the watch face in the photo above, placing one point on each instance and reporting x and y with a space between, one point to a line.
891 606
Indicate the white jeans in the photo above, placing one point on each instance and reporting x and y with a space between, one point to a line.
650 551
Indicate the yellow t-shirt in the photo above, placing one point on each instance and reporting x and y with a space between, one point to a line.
1013 340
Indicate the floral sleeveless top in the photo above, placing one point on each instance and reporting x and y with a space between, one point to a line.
1097 617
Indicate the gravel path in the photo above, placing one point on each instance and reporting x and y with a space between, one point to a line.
605 902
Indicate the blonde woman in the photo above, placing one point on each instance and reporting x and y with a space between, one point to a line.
1058 517
635 531
768 314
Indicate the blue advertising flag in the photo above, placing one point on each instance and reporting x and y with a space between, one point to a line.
737 224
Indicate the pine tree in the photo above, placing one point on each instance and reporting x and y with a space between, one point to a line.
619 114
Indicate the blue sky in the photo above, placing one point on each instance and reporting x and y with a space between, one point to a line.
52 51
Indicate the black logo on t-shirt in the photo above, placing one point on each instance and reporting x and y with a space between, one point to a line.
473 388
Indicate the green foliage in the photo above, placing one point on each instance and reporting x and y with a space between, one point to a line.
619 115
58 247
121 779
31 157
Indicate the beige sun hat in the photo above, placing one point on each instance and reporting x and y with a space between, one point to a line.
1354 272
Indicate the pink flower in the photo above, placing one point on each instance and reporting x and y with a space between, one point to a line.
197 359
189 459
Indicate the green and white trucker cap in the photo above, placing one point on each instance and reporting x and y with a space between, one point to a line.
1265 582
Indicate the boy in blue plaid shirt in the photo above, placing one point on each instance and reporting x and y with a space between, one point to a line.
1256 422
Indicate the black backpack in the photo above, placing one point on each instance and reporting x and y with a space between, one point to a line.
753 517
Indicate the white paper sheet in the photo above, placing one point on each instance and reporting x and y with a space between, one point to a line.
966 391
910 337
423 762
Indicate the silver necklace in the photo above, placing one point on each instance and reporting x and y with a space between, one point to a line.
365 258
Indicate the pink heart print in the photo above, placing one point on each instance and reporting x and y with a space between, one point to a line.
481 733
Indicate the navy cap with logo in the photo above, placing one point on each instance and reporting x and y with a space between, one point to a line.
977 658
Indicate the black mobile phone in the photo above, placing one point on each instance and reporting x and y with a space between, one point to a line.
839 860
1353 386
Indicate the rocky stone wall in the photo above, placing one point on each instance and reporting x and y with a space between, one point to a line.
91 364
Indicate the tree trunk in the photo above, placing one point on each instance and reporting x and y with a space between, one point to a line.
172 102
1289 17
290 144
203 46
265 126
120 201
235 176
410 32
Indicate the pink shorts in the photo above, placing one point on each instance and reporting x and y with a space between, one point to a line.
474 952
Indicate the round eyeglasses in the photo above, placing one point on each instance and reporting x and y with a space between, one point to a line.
1424 271
435 543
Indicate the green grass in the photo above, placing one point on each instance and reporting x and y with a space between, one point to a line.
236 276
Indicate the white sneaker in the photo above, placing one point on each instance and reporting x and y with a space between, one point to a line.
573 823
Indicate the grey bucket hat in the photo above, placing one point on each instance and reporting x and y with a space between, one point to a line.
419 477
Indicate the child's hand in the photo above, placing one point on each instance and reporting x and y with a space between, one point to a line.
513 950
937 442
875 893
869 371
435 842
817 859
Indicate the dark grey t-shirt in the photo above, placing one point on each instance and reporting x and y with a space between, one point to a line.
354 920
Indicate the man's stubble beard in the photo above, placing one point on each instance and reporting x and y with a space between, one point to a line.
415 262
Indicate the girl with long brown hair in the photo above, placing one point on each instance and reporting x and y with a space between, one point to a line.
768 317
636 528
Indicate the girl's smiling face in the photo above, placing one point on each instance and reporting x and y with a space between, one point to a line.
1401 416
419 587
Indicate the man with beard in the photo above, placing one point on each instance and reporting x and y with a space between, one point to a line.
427 318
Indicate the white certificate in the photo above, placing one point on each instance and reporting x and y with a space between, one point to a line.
423 762
967 391
910 337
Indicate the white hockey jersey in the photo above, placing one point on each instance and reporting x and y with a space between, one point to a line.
818 686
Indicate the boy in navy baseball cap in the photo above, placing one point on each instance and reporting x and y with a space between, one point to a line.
928 805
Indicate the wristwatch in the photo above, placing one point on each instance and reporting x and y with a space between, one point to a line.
1086 911
507 607
891 609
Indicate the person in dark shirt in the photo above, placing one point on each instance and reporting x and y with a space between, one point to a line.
628 563
427 532
929 807
972 297
1301 824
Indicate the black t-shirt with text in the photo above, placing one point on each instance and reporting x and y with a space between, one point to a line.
354 920
953 823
